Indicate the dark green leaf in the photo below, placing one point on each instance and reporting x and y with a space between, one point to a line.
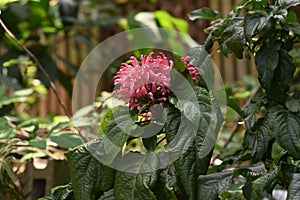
286 128
257 140
252 109
236 42
165 186
282 77
205 14
150 143
254 23
266 60
66 140
254 190
212 185
134 186
294 27
294 188
293 103
193 143
90 178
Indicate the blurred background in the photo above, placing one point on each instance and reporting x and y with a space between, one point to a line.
61 33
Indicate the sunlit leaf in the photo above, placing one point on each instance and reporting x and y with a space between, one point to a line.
205 14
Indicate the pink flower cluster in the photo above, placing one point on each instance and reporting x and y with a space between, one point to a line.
190 67
147 84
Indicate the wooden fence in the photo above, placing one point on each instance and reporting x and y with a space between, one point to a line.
231 69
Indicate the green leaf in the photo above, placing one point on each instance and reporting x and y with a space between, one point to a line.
204 14
6 131
231 102
257 140
294 27
109 195
150 143
294 187
116 124
266 60
212 185
289 3
293 103
194 143
89 177
41 144
166 20
63 192
165 186
134 186
254 190
254 22
252 109
282 77
236 42
66 140
286 128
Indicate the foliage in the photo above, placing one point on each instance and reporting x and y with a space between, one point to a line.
270 34
269 159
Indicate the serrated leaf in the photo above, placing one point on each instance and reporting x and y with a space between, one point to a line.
253 23
254 190
204 14
294 187
286 128
266 60
134 186
257 140
212 185
89 177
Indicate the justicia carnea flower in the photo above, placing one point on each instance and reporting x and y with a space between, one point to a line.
145 84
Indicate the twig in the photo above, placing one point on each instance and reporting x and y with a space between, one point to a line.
34 58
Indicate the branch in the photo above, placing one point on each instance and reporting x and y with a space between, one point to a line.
39 65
